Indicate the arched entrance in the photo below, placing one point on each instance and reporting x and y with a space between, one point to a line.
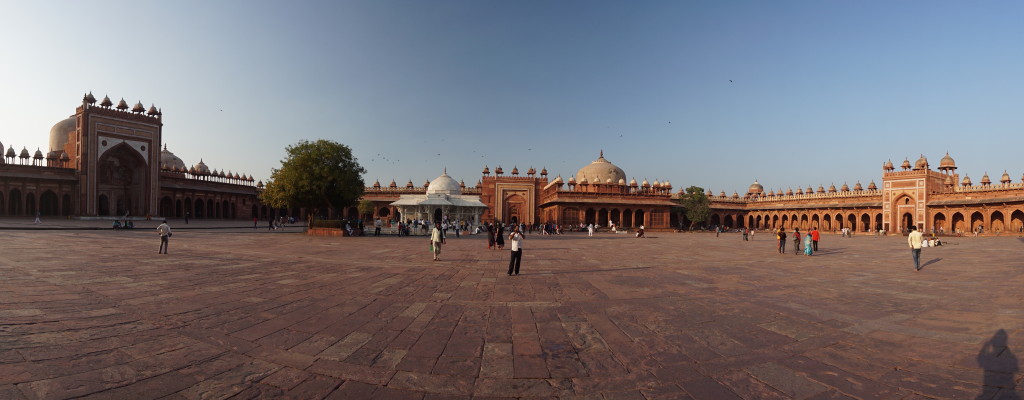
906 221
977 220
958 224
514 209
122 179
65 206
165 207
627 218
48 203
1017 221
939 222
602 216
103 205
638 218
997 222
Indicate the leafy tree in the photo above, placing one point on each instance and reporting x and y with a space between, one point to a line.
696 204
315 175
366 208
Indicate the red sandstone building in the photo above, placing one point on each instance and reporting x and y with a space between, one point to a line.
106 160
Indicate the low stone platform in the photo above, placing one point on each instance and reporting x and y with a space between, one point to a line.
241 314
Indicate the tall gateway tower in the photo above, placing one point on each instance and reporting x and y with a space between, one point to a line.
117 153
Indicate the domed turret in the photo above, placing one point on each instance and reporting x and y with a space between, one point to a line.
444 184
799 190
789 191
601 170
721 194
487 171
622 182
906 164
735 195
11 153
632 183
857 187
572 180
515 171
985 181
393 184
139 108
38 155
947 163
872 186
24 153
376 184
921 163
106 102
666 185
771 192
845 188
583 180
821 189
152 110
809 190
755 188
201 168
1006 178
531 172
259 184
887 166
832 188
498 171
646 184
122 105
63 155
409 185
426 184
966 181
89 98
544 172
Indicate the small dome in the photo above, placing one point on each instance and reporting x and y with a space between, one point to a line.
646 184
201 168
89 98
531 171
632 182
832 188
515 170
498 171
721 194
409 185
985 180
905 164
771 192
166 157
24 153
443 184
106 102
789 191
122 105
845 188
479 183
666 185
600 169
152 110
858 187
192 170
887 166
543 172
38 155
799 190
755 187
821 189
583 180
809 190
259 184
393 185
872 186
63 155
947 162
966 181
921 163
426 184
622 182
735 195
658 184
139 108
10 152
1006 177
52 155
572 180
462 184
487 171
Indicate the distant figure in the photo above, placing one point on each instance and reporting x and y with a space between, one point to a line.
436 238
255 221
796 240
516 238
746 233
914 240
38 221
808 245
186 217
590 229
640 232
377 224
781 235
499 236
164 231
490 236
752 230
815 236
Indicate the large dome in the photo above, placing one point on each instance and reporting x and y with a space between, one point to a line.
60 132
444 184
170 160
755 188
601 171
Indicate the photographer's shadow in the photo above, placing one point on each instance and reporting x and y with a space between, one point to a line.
1000 368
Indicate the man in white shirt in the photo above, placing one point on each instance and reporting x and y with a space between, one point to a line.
914 240
164 231
516 238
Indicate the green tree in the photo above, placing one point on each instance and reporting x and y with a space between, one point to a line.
315 175
696 204
365 208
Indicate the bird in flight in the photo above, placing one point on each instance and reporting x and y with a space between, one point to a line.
730 81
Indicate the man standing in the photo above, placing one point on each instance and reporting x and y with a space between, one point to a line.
590 229
377 224
781 235
38 221
914 240
815 236
436 239
164 231
516 238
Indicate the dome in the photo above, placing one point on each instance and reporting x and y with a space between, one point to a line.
799 190
832 188
921 163
858 187
172 161
1006 177
572 180
63 156
771 192
809 190
872 186
632 182
966 181
393 184
888 166
60 132
985 180
845 188
821 189
622 182
905 164
601 170
444 184
947 162
24 153
789 191
201 168
755 187
487 171
10 152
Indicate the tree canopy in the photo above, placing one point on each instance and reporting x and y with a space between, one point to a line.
315 175
696 204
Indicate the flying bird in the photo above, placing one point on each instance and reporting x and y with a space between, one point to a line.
730 81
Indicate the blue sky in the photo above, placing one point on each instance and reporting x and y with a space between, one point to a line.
821 92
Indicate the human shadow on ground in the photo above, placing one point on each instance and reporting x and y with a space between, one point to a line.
1000 367
829 251
930 262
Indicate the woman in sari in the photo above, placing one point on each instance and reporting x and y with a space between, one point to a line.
490 236
499 236
808 245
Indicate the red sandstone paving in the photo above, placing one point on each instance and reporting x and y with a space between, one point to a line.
238 313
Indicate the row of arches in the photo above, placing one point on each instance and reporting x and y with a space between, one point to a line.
861 220
49 203
966 221
198 208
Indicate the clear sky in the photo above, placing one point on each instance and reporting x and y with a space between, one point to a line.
707 93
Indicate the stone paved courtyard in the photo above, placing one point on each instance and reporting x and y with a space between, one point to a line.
242 313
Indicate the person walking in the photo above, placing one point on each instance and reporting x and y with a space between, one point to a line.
490 236
752 230
164 231
815 237
255 222
186 217
436 238
746 232
516 238
914 240
808 246
796 241
38 221
499 236
781 235
590 229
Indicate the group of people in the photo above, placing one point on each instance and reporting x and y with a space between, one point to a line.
495 238
810 241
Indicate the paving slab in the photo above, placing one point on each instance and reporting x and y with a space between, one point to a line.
244 313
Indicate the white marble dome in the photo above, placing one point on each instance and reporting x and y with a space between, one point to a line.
170 160
60 133
444 184
600 170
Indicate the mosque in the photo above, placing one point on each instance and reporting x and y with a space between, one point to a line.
110 160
